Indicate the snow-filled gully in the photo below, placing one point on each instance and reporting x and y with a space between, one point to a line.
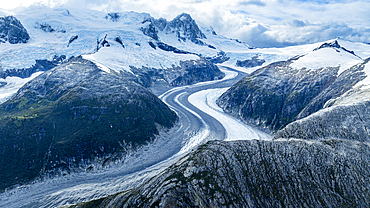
201 120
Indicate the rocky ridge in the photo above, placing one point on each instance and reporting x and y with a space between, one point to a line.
249 63
278 94
280 173
40 65
189 72
12 31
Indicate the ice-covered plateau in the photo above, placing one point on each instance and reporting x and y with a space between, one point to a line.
128 41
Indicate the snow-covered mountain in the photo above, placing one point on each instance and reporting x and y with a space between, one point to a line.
121 35
116 42
281 92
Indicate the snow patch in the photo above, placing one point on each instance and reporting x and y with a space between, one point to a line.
13 85
327 57
365 84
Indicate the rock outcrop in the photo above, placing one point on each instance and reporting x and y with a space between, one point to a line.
189 72
40 65
249 63
12 31
351 122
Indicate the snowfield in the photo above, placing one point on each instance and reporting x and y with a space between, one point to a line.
12 86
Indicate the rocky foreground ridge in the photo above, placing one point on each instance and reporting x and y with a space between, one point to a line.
280 173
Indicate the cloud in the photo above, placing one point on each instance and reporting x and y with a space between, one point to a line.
260 23
252 2
297 23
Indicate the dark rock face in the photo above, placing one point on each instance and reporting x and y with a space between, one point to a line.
334 45
189 72
249 63
152 45
40 65
12 30
282 173
338 87
73 38
219 58
184 27
150 30
167 47
48 28
278 94
100 43
72 116
45 27
114 17
120 41
197 71
350 122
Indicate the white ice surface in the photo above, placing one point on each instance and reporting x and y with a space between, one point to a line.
13 85
91 26
365 84
327 57
236 130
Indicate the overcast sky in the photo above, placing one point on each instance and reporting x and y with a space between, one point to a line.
260 23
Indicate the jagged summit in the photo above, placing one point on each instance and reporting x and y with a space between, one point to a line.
335 45
183 26
12 31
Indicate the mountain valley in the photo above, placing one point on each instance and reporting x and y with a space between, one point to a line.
126 110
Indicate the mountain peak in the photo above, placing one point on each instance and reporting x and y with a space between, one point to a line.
335 45
183 26
183 17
